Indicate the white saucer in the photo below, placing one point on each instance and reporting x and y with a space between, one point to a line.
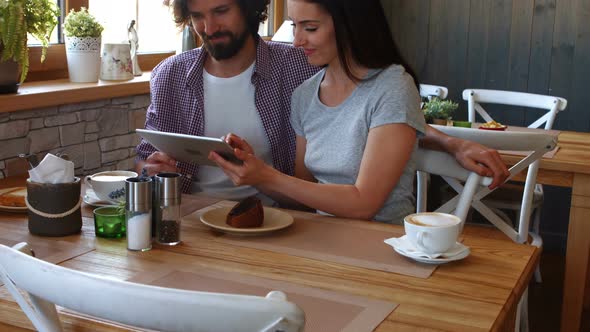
91 199
459 251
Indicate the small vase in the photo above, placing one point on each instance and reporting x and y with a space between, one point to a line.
441 122
116 64
83 54
8 76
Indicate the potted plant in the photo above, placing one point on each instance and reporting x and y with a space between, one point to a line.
17 19
82 32
439 111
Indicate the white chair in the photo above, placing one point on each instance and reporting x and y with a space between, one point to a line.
504 200
429 91
144 306
445 165
536 145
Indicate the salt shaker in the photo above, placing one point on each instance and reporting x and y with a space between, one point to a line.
138 213
168 195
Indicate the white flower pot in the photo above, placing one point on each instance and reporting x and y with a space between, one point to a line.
83 54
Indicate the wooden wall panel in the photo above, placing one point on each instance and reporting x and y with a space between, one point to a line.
477 48
578 108
537 46
541 46
456 50
562 55
520 44
436 63
498 56
540 54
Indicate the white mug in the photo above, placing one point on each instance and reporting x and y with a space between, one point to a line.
432 232
109 185
115 63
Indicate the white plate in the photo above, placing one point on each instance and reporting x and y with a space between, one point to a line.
91 199
441 260
273 221
12 208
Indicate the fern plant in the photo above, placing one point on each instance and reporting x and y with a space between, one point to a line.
19 18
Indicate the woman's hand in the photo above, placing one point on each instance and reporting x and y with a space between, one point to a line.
237 142
253 171
482 160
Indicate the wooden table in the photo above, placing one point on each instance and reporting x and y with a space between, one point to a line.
570 167
479 293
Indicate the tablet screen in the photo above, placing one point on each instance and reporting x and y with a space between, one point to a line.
188 148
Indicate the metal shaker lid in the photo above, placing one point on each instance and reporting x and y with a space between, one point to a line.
138 194
168 186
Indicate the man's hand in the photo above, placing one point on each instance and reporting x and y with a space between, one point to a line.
482 160
159 162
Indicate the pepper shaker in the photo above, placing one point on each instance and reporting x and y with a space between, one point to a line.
168 194
138 213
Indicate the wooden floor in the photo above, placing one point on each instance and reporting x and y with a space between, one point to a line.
545 298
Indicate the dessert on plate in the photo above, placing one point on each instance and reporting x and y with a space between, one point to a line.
248 213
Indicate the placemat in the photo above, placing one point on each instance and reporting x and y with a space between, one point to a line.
192 203
330 239
324 310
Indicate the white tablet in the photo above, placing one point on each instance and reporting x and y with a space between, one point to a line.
188 148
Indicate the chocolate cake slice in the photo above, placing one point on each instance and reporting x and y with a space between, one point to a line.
248 213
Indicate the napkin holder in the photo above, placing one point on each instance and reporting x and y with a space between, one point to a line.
54 209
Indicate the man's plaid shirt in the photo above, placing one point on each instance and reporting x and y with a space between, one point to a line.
177 99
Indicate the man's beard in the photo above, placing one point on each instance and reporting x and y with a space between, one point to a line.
225 51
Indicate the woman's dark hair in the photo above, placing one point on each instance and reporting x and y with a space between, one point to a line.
255 11
362 32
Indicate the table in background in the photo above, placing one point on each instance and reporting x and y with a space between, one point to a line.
478 293
570 167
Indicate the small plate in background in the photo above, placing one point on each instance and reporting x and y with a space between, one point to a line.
494 128
14 209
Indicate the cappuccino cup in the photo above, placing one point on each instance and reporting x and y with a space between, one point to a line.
110 185
432 232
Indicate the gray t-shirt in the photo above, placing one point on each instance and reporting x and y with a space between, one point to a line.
336 136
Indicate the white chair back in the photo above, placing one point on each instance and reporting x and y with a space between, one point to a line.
534 143
429 91
443 164
475 97
144 306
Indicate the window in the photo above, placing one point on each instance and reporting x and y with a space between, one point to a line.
153 21
266 28
55 37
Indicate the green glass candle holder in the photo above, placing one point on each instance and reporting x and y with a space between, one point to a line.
109 222
463 124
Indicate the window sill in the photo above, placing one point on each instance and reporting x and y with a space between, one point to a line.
59 92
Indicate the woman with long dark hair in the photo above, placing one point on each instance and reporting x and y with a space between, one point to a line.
356 121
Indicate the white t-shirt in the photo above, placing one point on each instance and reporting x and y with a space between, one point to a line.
230 107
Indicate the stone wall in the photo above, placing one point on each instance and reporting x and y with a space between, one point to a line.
96 135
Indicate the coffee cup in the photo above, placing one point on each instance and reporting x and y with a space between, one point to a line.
109 186
432 232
